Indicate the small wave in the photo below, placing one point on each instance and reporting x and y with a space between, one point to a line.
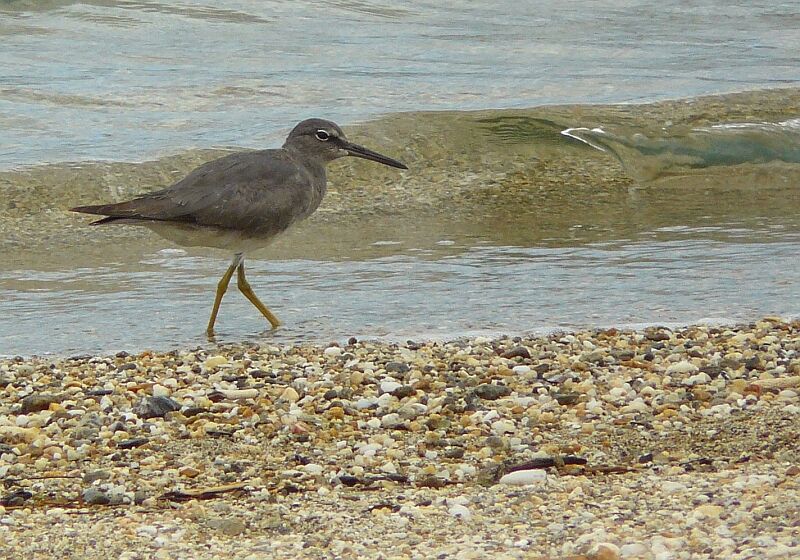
647 157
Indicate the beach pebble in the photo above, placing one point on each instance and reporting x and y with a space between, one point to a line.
491 392
391 420
459 510
289 395
155 407
240 394
160 391
95 496
92 476
403 391
605 551
634 550
524 477
517 352
683 366
35 403
230 526
397 367
214 362
390 386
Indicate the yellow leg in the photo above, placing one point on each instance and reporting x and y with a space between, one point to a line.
244 287
222 287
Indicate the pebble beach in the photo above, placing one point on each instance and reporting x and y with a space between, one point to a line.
654 444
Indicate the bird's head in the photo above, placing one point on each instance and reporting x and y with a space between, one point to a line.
324 140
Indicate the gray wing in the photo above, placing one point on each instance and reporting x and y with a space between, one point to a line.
259 192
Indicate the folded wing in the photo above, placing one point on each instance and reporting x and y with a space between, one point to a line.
259 192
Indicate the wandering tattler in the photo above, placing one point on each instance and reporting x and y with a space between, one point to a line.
240 202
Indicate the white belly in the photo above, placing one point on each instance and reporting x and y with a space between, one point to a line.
189 235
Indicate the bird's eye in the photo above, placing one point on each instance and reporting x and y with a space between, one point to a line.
322 135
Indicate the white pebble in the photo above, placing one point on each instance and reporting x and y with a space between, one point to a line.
501 427
390 386
160 391
670 487
235 394
634 550
332 351
313 469
522 478
391 420
215 362
698 379
460 511
682 367
366 402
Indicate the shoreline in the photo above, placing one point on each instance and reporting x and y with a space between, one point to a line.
660 443
399 338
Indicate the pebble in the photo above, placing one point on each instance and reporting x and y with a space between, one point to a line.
524 477
403 391
231 527
215 362
156 407
397 367
390 386
683 366
491 392
95 496
241 394
160 391
92 476
460 511
391 420
517 352
606 551
35 403
290 395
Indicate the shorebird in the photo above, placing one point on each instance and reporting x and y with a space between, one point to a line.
240 202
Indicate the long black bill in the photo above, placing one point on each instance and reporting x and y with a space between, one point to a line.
362 152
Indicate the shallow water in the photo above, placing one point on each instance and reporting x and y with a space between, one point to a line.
163 301
689 210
